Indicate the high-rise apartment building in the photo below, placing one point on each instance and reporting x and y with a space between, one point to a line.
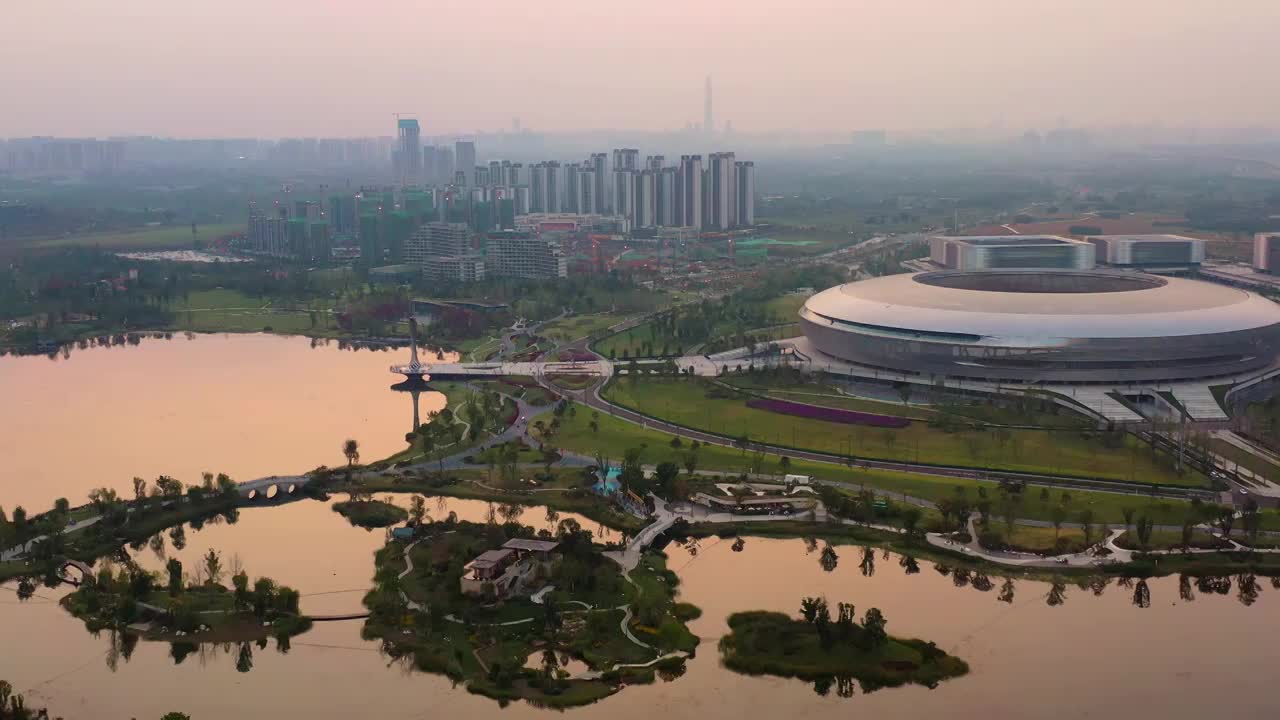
688 209
481 177
408 159
745 186
497 176
512 171
572 193
722 212
600 168
464 153
587 198
553 186
538 187
646 199
654 162
626 159
664 197
624 194
342 214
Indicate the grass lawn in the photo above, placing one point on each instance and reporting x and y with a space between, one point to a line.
155 238
578 326
574 382
820 393
1244 459
1172 540
232 311
1027 538
692 404
615 436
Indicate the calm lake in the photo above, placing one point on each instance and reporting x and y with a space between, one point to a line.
246 405
252 405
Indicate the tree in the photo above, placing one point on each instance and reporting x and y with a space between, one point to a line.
264 592
174 567
691 460
351 449
139 489
1226 519
828 560
240 581
213 567
873 627
1128 516
1250 520
1086 523
811 606
784 464
417 509
665 475
1057 514
1145 525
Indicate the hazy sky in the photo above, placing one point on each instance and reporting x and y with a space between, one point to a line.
341 67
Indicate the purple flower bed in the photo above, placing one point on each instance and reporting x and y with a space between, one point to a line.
817 412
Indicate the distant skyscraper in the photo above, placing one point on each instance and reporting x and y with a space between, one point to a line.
665 197
464 159
553 187
626 159
723 197
572 194
746 188
624 194
689 192
646 199
708 120
408 160
497 176
587 200
600 171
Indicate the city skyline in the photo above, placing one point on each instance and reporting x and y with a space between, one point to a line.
828 67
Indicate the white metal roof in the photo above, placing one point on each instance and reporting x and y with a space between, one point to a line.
1175 307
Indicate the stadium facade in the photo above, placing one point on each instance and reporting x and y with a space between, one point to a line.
1045 327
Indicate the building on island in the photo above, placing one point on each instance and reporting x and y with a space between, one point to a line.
507 569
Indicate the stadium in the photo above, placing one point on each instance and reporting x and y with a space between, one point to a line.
1023 326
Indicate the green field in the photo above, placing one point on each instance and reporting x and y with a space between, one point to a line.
224 310
614 437
1246 460
578 326
818 393
647 339
694 403
158 238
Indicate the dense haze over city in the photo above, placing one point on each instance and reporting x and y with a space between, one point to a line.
243 68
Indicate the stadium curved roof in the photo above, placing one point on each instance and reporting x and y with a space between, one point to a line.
1032 308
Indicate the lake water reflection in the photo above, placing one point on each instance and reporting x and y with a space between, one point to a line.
246 405
1087 655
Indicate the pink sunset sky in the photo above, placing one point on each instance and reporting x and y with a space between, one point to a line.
323 67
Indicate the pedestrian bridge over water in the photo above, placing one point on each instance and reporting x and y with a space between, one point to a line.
271 488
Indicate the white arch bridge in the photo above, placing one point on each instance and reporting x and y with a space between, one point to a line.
272 488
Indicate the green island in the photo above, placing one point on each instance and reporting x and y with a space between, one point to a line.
368 513
824 650
194 608
547 618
